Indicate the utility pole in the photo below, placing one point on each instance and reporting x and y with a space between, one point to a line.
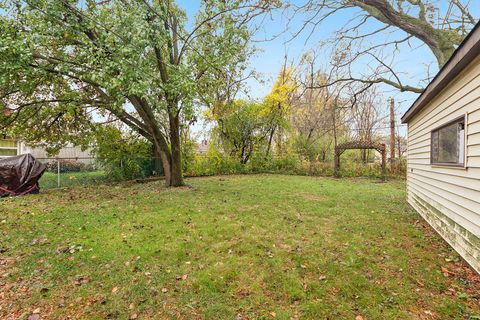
392 130
399 145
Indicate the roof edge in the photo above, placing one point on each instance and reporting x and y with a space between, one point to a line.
466 52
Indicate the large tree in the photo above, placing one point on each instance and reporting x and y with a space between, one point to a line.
241 127
66 64
312 108
379 29
277 106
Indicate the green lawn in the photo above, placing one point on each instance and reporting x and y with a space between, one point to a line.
72 179
237 247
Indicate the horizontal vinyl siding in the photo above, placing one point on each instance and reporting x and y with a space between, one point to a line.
449 198
67 152
475 116
457 206
473 139
465 245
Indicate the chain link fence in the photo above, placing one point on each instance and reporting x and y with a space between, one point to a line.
81 171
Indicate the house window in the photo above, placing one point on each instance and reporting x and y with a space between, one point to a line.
448 144
8 147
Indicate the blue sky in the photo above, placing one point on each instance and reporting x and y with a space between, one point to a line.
270 56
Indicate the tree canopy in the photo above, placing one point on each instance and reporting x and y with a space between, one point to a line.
379 29
65 66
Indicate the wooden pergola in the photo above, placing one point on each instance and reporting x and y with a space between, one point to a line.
380 147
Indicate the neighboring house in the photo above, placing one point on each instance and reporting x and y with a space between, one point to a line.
443 174
202 147
9 147
12 147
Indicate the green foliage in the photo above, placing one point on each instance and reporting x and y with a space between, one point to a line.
241 128
124 155
67 165
214 162
65 63
277 104
318 149
189 147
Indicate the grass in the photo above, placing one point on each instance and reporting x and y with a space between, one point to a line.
237 247
49 180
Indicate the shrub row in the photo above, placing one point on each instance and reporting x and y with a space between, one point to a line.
205 165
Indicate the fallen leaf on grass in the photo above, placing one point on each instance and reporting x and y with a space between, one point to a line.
114 290
62 250
447 272
82 280
133 316
273 314
429 313
359 317
164 290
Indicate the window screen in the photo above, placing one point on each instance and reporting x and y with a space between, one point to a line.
448 144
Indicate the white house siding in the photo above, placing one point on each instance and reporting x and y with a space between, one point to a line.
69 152
449 198
66 152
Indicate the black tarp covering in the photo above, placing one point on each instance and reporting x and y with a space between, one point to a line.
19 175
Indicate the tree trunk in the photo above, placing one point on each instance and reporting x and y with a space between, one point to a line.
439 41
399 145
364 156
166 163
176 177
242 155
392 131
170 156
269 145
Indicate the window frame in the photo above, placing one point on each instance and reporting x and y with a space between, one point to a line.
9 148
463 119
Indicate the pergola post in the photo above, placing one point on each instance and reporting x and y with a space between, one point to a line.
337 163
380 147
